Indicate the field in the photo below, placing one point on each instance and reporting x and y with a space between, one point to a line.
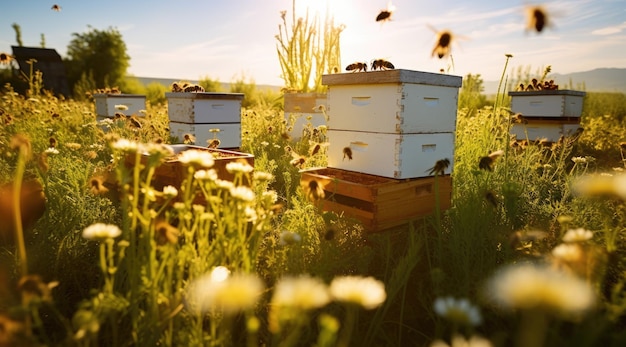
93 254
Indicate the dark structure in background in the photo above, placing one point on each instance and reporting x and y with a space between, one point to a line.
49 62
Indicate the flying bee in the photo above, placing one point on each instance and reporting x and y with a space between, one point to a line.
537 19
518 118
189 139
382 65
56 8
5 58
440 167
315 149
135 121
385 15
314 190
491 198
357 67
443 46
486 163
347 152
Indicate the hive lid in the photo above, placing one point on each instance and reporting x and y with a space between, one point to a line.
205 95
548 92
393 76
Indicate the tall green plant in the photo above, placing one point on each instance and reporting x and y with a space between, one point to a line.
306 50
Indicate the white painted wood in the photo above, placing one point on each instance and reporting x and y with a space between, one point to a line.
204 107
390 155
548 103
229 134
105 104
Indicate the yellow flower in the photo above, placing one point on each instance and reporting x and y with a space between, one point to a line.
577 235
367 292
197 157
540 287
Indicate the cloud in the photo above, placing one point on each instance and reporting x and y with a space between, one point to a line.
615 29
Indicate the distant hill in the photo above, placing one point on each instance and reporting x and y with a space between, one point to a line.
597 80
168 81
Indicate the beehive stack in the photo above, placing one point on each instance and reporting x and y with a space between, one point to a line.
386 130
546 114
106 104
206 116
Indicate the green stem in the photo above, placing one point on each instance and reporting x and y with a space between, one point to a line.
17 212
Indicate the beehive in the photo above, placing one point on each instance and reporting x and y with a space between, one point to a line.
377 202
548 103
302 109
398 123
106 104
198 113
545 128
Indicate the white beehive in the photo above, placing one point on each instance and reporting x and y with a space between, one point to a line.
105 104
548 103
389 155
304 109
396 123
393 101
204 107
547 130
229 133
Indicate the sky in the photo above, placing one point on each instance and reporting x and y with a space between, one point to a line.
230 40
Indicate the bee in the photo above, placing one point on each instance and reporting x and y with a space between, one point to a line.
213 143
382 65
520 88
314 190
56 8
385 15
193 88
315 149
176 88
135 121
5 58
357 67
440 167
347 152
518 118
486 163
297 160
537 19
189 139
444 43
330 233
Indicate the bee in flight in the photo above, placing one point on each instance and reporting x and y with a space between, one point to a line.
486 163
347 152
382 65
56 8
440 167
443 46
537 19
356 67
385 15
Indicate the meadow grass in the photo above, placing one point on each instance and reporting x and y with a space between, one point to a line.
115 261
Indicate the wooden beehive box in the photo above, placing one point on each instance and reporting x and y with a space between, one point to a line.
396 123
378 202
392 101
548 103
105 104
303 109
204 108
173 172
229 134
389 155
545 128
198 113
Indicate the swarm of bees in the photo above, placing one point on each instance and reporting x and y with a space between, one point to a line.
377 64
537 85
184 87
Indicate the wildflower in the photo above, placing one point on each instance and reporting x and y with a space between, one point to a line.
460 341
367 292
459 311
73 145
239 166
250 214
303 292
262 176
101 232
229 294
264 143
51 150
121 107
540 287
579 160
97 186
224 184
170 191
205 175
601 186
289 238
125 145
568 252
197 157
242 193
577 235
